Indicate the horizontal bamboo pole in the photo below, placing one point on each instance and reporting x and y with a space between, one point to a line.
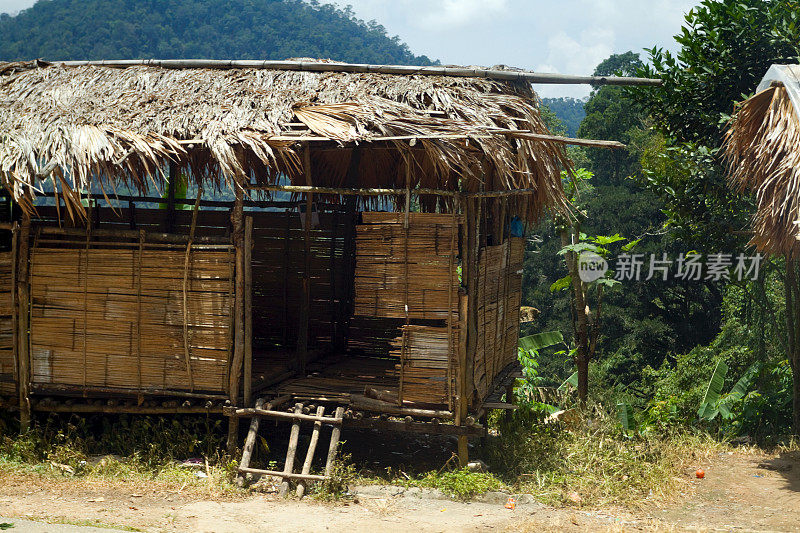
315 66
300 189
358 401
121 409
133 234
77 389
242 413
521 134
309 477
203 203
347 192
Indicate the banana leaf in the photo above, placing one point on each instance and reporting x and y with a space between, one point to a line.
538 341
709 407
625 416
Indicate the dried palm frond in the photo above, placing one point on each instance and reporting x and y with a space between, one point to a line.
763 151
92 126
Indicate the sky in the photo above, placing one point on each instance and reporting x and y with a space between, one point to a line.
566 36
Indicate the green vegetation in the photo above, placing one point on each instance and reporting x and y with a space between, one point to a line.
570 111
211 29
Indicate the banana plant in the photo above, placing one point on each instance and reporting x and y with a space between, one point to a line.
715 402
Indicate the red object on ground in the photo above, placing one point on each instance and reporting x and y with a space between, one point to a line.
700 473
511 503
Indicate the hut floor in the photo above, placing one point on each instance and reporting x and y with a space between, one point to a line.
335 378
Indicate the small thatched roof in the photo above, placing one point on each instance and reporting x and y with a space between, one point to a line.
81 127
763 151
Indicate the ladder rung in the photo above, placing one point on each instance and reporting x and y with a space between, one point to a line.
310 477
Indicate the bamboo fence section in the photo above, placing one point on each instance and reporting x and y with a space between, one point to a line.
115 316
7 365
499 294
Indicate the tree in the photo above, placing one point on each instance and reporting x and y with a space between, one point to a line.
726 48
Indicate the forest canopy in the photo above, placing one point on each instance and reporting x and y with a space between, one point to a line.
209 29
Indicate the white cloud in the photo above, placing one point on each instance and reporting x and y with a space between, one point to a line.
449 14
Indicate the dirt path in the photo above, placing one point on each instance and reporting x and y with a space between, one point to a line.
741 492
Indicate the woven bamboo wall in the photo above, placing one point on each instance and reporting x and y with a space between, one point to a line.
428 257
499 298
417 266
7 367
113 316
278 265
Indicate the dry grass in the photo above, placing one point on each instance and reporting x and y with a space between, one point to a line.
104 127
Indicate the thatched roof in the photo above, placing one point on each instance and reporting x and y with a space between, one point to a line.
84 126
763 151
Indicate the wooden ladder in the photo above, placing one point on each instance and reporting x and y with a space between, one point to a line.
265 411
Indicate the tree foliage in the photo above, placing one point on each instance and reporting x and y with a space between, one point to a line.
209 29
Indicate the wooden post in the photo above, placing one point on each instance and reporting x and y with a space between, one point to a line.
292 450
249 443
238 336
23 336
334 445
472 221
312 448
248 310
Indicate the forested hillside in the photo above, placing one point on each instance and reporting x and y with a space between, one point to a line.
212 29
569 111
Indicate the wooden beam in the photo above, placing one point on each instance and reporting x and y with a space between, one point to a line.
291 452
401 70
358 401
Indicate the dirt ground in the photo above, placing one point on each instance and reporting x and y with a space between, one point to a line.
740 492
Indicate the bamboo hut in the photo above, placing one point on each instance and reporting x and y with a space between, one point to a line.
349 240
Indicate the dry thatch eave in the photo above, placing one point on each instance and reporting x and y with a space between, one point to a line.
90 127
763 151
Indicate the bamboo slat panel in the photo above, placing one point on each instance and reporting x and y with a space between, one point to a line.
499 298
384 246
7 366
113 317
427 362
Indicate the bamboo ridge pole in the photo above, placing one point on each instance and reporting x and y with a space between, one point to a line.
314 66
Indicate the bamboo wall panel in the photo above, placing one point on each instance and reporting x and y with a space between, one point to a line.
427 360
415 266
7 366
278 264
113 316
384 246
499 299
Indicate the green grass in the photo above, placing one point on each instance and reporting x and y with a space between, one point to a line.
461 484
